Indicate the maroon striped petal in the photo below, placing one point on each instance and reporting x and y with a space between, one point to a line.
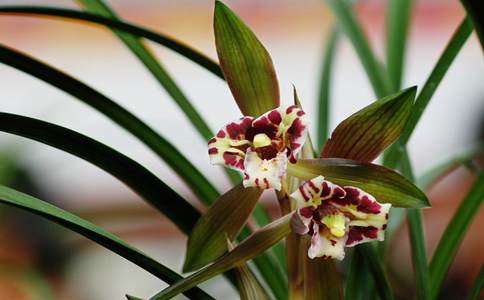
229 146
326 245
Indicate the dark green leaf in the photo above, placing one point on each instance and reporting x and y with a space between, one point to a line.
376 266
477 286
454 233
417 241
385 185
325 87
144 183
475 10
164 149
365 134
158 71
443 64
399 12
96 234
257 243
224 219
71 14
246 64
379 80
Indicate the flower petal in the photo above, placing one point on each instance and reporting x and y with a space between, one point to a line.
325 245
295 129
301 220
370 217
268 123
263 173
313 191
227 148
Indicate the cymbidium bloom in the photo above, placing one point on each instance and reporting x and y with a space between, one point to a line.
261 147
337 217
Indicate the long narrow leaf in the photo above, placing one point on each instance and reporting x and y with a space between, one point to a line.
417 241
164 149
246 64
158 71
249 287
379 80
260 241
96 234
376 266
162 39
144 183
222 221
443 64
477 286
399 12
454 233
475 10
385 185
325 88
365 134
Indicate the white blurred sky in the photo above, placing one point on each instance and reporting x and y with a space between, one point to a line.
294 36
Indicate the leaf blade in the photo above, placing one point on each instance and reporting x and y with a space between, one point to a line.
260 241
94 233
207 241
366 133
454 233
385 185
138 178
246 64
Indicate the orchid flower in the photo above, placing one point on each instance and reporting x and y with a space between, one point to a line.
337 217
261 147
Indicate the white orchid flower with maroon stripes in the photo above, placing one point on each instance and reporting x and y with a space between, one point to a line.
261 147
337 217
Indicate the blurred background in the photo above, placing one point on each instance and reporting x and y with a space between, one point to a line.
35 254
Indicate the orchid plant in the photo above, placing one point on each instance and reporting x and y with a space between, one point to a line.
330 199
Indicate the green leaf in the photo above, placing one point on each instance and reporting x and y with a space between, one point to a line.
246 64
162 39
376 266
477 286
161 75
379 80
417 241
224 219
325 87
164 149
321 279
96 234
138 178
443 64
385 185
399 12
475 10
257 243
463 157
454 233
365 134
358 277
249 287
